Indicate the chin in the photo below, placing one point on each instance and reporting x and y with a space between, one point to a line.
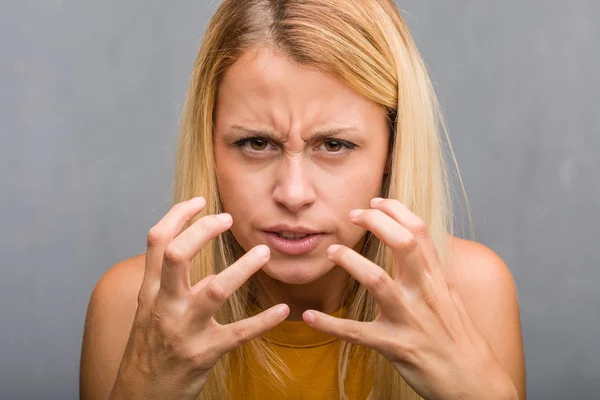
297 270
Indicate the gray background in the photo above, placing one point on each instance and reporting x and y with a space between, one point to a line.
90 97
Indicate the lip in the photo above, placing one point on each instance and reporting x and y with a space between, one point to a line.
293 247
290 228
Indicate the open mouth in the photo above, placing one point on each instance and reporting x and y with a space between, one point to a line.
292 235
292 243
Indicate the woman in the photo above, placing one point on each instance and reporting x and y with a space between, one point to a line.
310 127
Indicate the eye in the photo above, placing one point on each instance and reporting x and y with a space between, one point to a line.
336 145
332 145
257 144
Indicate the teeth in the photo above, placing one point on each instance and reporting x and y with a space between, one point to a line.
291 235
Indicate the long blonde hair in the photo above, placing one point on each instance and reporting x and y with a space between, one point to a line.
367 44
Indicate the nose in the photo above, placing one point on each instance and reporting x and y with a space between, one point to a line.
293 188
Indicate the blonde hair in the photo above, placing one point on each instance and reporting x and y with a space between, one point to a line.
366 44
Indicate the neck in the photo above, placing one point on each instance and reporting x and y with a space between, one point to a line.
324 294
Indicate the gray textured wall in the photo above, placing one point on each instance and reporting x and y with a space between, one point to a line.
90 95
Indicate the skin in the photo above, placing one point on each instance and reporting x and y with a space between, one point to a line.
295 178
450 334
423 327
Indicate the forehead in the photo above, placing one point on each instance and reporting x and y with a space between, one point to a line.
264 87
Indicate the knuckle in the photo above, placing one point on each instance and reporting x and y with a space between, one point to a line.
175 341
204 353
172 338
215 292
377 280
420 228
204 224
355 335
241 335
156 236
157 320
409 244
202 359
173 253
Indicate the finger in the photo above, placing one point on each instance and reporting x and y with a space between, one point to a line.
217 291
175 274
403 243
405 217
240 332
160 235
201 283
413 266
370 275
400 213
356 332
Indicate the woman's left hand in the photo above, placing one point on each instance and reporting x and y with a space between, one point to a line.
422 327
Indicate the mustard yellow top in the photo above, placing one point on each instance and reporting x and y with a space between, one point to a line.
311 357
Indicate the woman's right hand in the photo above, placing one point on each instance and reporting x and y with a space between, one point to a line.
174 340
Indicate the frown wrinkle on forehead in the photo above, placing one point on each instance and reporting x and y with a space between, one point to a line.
330 133
265 92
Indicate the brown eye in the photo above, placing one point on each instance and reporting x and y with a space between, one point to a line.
332 145
258 144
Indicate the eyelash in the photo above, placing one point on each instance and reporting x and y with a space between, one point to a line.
241 143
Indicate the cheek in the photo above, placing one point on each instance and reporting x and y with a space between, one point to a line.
239 194
230 180
238 201
237 185
242 191
353 188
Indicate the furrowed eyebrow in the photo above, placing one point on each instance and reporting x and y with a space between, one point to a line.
318 135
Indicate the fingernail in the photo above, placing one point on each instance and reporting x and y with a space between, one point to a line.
376 200
263 251
309 317
224 217
282 310
198 200
355 213
333 248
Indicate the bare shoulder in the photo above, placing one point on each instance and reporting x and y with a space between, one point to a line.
109 316
475 263
488 291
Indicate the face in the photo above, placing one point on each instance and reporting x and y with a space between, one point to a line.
296 150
